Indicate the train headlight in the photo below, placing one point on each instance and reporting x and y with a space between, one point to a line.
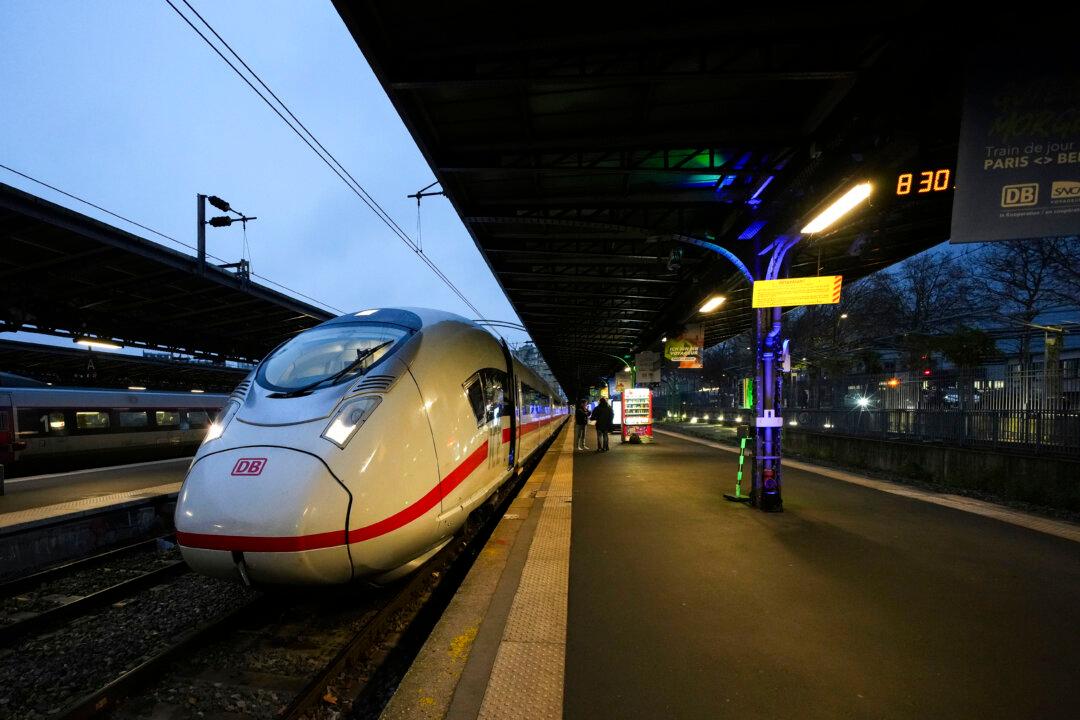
349 418
218 426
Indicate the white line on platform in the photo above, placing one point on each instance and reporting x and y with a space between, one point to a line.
83 506
13 481
1058 528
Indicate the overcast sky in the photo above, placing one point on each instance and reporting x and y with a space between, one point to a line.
121 103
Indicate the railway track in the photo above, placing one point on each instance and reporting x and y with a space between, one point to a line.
26 582
44 600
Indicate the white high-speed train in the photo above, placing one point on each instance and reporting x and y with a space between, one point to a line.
358 448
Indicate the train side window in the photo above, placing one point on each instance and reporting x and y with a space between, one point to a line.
35 422
167 418
91 421
474 391
132 419
197 419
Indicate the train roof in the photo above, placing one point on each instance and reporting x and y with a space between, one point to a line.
413 318
54 396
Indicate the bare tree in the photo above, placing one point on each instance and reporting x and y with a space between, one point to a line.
1020 279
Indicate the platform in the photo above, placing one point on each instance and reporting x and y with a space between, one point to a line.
854 602
42 498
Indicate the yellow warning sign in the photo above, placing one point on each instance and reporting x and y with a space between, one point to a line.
824 290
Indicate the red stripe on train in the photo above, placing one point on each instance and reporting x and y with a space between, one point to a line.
334 538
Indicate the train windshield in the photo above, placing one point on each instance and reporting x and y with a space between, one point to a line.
338 352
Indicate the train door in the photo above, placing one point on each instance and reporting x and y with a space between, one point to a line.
7 431
496 404
511 402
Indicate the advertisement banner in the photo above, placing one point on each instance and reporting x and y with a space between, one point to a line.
1018 166
623 380
648 367
686 349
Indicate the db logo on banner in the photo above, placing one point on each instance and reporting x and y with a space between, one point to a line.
249 466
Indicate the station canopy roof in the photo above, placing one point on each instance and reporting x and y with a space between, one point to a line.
85 367
584 149
68 275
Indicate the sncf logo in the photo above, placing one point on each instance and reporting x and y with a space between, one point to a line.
249 466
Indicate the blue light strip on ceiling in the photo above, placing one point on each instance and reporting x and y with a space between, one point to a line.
752 229
720 251
754 198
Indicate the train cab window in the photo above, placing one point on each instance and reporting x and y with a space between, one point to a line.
132 419
474 391
331 353
91 420
197 419
167 418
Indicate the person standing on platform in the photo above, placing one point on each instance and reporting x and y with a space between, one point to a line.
603 415
581 421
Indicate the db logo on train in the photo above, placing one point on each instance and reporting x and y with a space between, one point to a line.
249 466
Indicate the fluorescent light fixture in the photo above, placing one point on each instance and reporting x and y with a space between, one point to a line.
712 303
793 423
843 316
95 342
195 390
838 209
365 313
136 387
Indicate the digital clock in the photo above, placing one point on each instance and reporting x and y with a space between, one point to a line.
927 181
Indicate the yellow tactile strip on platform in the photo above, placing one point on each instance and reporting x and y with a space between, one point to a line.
527 678
78 507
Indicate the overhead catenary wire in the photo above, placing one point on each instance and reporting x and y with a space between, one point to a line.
314 145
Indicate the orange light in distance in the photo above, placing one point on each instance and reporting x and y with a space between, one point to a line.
893 382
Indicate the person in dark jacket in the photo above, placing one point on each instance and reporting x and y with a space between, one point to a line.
581 421
603 415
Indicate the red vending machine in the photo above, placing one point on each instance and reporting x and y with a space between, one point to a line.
637 414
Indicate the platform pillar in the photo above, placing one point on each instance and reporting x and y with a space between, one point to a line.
766 490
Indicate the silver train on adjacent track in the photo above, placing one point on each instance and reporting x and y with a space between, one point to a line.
46 429
358 448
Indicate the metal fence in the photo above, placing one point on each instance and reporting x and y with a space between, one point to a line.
987 388
995 407
1054 432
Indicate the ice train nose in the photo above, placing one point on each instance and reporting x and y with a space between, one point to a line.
281 512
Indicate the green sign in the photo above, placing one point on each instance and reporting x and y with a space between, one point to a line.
678 349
